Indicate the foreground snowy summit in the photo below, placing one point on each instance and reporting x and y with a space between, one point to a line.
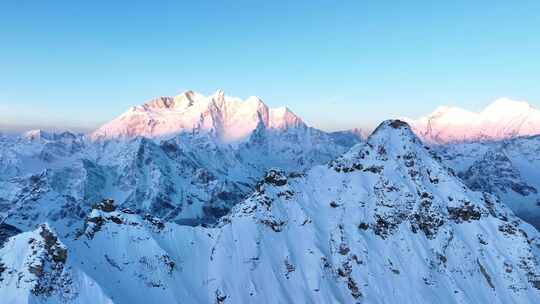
384 223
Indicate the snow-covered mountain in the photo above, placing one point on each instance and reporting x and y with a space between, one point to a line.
193 175
384 223
494 150
509 169
504 118
228 118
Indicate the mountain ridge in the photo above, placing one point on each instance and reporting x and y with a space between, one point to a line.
502 119
230 119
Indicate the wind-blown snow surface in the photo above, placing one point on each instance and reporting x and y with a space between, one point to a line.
384 223
504 118
194 175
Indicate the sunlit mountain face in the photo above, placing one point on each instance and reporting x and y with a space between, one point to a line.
503 119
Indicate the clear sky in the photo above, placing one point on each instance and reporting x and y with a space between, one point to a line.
338 64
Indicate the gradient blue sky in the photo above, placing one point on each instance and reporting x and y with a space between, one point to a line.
75 64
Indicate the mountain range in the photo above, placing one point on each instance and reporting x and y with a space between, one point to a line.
504 118
214 199
190 173
229 119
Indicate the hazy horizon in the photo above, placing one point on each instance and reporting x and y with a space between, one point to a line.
73 126
76 66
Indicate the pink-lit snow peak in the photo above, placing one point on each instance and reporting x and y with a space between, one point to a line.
231 119
504 118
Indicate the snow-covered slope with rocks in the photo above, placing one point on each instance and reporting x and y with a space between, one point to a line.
509 169
504 118
384 223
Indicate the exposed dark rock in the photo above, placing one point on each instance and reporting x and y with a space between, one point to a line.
353 287
343 249
287 194
333 204
275 177
384 226
156 222
52 246
214 211
374 169
428 222
127 211
220 297
296 175
508 229
397 124
2 269
485 274
106 205
363 226
288 268
112 263
171 265
275 225
95 223
48 269
466 213
7 231
115 220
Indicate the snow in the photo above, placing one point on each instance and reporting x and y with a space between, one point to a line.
504 118
229 118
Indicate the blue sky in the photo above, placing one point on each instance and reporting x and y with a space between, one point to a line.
74 64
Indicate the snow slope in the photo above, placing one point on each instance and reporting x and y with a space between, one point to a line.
504 118
384 223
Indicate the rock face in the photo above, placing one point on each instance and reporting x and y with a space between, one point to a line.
493 173
386 222
34 267
503 119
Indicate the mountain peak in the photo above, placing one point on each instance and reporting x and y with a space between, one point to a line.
231 119
504 118
393 128
36 134
504 107
219 95
393 144
158 103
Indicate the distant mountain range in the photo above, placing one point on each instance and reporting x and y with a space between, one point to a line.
229 119
504 118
